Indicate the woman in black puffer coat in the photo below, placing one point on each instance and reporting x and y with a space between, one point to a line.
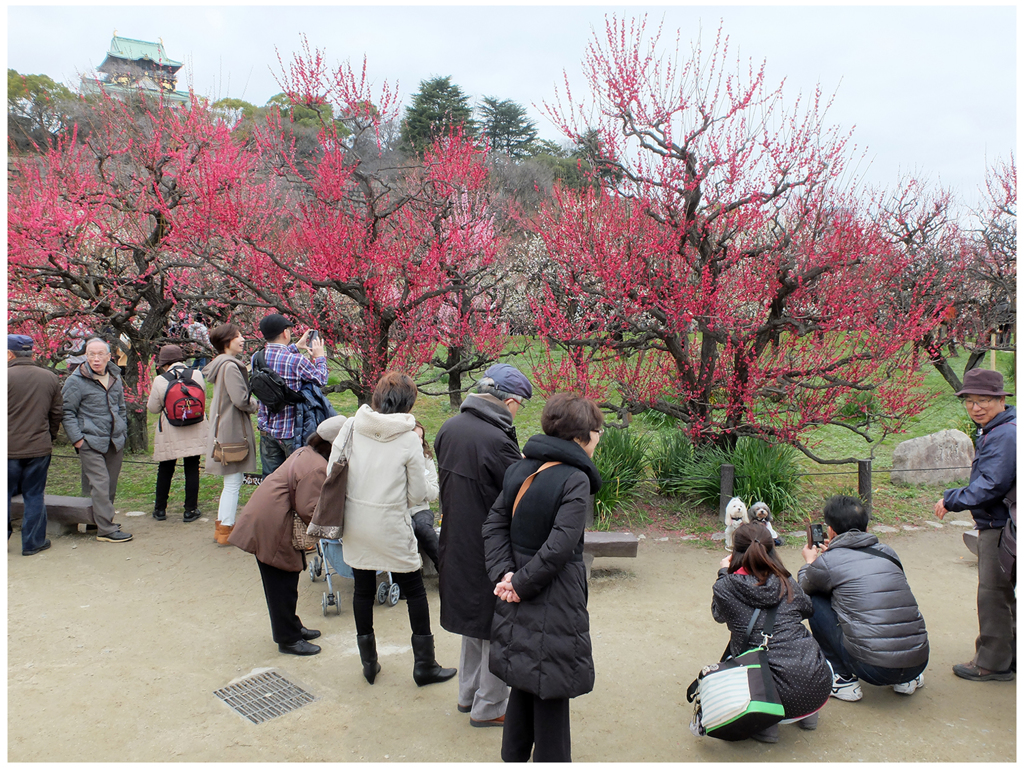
540 639
755 578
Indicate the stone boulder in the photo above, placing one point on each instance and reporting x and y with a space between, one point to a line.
935 459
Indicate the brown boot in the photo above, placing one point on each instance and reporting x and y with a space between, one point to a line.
225 531
216 531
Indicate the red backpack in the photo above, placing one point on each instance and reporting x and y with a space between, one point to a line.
185 401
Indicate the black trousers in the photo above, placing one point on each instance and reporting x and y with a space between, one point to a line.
423 527
164 475
282 591
538 724
364 593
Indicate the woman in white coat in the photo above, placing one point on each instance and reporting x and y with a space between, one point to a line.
171 443
386 480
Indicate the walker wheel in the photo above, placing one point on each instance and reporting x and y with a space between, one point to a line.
325 603
394 593
382 593
315 569
337 603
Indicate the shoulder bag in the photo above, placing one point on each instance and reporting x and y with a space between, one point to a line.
736 697
328 520
229 453
300 540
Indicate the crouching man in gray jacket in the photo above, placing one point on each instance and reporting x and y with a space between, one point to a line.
866 619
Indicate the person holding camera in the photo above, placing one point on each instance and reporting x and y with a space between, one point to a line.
866 619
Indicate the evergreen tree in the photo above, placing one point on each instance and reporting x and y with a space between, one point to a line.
439 107
507 127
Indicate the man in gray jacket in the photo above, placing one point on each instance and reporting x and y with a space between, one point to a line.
866 619
96 423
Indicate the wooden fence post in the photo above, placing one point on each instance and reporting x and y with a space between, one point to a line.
864 482
725 484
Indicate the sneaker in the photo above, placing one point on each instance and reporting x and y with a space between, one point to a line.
909 687
44 546
191 515
971 671
846 688
116 537
159 514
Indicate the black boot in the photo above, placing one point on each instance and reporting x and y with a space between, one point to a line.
368 654
426 670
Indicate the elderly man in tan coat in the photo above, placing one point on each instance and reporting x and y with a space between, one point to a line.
170 442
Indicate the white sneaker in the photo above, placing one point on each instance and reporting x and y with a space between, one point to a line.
846 689
908 688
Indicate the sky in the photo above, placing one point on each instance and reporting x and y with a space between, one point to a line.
927 90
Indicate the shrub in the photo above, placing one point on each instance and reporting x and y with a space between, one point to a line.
621 458
701 480
670 460
766 472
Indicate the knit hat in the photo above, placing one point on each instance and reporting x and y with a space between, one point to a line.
169 354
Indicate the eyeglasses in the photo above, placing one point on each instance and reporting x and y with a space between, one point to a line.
97 355
985 403
599 431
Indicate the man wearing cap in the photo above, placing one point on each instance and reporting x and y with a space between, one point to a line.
277 430
993 477
96 423
474 448
34 412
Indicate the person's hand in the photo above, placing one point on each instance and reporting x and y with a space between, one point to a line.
316 348
79 443
940 509
505 591
810 553
726 561
303 342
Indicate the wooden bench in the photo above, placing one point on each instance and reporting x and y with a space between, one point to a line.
63 513
607 544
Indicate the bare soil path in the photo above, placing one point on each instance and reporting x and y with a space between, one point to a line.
114 652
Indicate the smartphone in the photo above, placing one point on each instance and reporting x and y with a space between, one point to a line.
313 335
815 535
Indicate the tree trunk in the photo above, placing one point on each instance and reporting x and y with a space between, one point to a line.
942 366
454 377
138 430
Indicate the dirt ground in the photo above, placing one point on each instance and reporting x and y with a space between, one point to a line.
114 652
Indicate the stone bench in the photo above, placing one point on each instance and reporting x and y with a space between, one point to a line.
607 544
63 513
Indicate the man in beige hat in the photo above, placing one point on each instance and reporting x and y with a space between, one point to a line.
993 478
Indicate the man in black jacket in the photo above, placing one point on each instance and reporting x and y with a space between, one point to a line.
993 477
473 451
866 619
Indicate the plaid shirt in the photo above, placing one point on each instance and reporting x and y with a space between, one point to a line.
294 368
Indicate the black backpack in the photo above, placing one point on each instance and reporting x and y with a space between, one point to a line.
268 385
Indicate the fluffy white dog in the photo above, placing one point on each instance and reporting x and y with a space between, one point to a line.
735 516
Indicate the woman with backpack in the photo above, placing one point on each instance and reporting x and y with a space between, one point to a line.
231 446
179 396
753 577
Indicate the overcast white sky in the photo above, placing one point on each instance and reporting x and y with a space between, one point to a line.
930 90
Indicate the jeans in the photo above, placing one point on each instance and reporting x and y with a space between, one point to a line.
228 507
273 452
829 634
164 475
30 476
423 527
364 593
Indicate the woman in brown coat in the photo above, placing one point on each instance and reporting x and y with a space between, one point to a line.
171 443
231 421
264 529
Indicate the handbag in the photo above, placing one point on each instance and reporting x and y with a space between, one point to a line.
736 697
300 540
328 521
230 453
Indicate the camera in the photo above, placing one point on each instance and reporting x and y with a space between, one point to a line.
815 535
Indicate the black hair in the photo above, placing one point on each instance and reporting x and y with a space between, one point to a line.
846 513
754 551
570 417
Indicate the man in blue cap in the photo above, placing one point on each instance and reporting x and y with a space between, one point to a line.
34 412
474 448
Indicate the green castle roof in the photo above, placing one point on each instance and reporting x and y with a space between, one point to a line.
136 50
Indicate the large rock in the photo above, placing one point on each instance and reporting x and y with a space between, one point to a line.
935 459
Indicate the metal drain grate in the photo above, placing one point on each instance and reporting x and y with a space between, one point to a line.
263 697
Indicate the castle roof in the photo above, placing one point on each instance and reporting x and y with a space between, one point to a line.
126 49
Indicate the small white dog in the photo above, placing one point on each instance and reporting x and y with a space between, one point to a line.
735 516
760 513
